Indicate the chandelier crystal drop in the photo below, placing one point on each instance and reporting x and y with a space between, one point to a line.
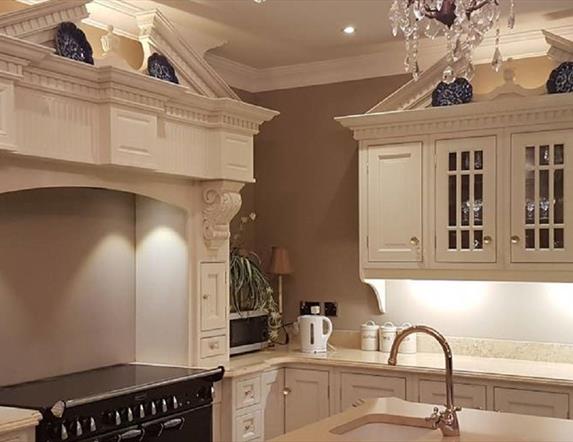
464 23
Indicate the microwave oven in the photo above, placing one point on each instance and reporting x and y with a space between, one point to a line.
249 331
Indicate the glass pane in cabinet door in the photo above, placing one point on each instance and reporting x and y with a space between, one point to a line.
452 200
452 240
544 238
558 239
465 161
530 239
478 200
544 197
543 155
465 239
452 162
558 196
478 160
530 156
465 200
530 197
558 154
478 240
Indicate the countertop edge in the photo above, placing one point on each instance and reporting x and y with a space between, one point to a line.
14 419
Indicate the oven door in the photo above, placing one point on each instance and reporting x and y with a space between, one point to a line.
188 426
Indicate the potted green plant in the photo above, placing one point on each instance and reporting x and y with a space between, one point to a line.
249 285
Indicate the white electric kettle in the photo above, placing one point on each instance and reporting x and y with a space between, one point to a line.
313 338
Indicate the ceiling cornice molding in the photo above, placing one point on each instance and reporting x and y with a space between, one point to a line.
388 62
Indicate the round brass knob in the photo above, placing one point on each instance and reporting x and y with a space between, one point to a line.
487 239
286 391
414 241
514 239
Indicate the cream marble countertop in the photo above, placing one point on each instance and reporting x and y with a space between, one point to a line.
553 373
372 422
13 419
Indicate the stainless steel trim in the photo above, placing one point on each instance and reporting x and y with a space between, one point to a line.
249 347
247 314
112 394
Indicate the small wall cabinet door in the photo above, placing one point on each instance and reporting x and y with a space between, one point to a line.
213 295
466 200
307 399
356 386
273 390
466 395
394 215
541 200
536 403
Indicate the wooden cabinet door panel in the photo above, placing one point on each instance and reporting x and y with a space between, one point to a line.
395 203
213 296
274 403
536 403
308 398
356 386
465 395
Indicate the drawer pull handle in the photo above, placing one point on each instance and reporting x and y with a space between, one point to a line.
286 391
214 345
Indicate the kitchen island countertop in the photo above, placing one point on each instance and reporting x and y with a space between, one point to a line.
14 419
363 423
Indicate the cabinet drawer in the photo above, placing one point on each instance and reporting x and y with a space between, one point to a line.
466 395
536 403
356 386
247 392
248 426
213 346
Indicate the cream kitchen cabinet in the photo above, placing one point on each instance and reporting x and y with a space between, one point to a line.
394 219
356 386
536 403
24 435
213 296
307 397
479 191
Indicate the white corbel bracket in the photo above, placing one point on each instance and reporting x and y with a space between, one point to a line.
222 201
379 287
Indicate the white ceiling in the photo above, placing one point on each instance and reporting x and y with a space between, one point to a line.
287 32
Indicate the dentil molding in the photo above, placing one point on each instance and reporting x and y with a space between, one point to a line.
222 201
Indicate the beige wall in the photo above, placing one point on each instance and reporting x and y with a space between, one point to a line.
67 274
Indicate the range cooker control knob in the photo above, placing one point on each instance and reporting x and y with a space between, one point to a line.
141 411
63 432
77 427
114 418
153 408
163 406
174 403
129 414
92 424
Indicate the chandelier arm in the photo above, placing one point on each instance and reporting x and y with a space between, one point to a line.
476 6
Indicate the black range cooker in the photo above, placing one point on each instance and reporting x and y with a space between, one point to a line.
127 402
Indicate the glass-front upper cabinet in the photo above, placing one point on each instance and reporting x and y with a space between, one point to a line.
541 203
466 200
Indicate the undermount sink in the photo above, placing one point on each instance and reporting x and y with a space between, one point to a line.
381 427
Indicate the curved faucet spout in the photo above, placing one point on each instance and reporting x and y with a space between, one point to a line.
447 421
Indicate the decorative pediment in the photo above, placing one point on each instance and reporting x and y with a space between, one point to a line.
38 24
157 34
418 94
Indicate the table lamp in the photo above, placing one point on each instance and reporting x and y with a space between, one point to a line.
280 266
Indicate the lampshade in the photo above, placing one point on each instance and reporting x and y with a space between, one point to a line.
280 262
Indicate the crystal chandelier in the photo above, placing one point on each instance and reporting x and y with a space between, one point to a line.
464 23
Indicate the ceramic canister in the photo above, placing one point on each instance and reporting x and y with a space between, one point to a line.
408 345
387 335
369 336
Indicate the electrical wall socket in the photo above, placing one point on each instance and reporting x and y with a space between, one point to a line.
331 309
305 306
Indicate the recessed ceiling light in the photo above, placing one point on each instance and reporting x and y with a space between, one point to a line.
349 30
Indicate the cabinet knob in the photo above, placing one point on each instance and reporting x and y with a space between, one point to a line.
487 239
286 391
205 296
514 239
414 241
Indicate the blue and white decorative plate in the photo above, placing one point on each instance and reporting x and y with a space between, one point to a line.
458 92
159 67
561 79
71 42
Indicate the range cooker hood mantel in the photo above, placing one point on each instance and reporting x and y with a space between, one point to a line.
64 123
